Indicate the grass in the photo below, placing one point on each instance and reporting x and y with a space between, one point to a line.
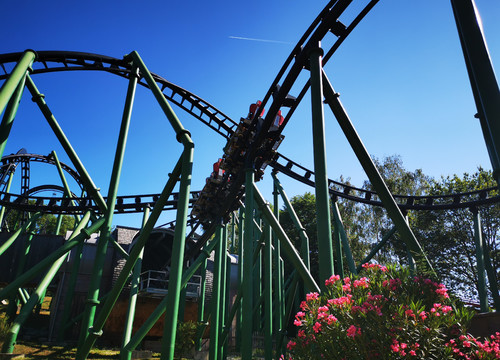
33 351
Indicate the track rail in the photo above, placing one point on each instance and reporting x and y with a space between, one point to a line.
56 61
326 24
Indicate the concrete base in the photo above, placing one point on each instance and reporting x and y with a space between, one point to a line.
142 354
485 324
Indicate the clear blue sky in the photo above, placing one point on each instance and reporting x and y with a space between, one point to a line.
401 76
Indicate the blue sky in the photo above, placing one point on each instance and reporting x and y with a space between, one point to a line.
401 76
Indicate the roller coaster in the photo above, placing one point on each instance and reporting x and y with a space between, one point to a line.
252 146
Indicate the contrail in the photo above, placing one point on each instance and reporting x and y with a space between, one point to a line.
261 40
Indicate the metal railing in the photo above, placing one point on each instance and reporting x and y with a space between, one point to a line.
156 283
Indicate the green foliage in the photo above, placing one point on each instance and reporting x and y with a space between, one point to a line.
185 338
385 314
4 325
46 224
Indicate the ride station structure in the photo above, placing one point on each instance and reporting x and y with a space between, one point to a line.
249 293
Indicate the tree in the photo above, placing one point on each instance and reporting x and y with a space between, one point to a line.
448 235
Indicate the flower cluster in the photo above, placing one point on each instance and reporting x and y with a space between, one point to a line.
385 313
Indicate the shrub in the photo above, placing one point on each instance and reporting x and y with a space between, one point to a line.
185 338
385 314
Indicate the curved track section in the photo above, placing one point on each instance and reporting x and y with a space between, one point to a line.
405 202
327 24
55 61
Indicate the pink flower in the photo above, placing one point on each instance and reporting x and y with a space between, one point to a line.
317 327
331 319
297 322
291 344
363 282
312 296
332 280
413 353
353 331
301 334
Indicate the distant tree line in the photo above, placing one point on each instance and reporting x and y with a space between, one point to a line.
447 236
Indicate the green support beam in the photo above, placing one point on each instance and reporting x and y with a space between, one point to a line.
268 294
332 99
215 324
12 83
134 291
482 77
105 237
75 160
10 114
376 248
37 295
323 221
288 247
248 240
480 268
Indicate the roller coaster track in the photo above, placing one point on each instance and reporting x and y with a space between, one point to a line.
326 24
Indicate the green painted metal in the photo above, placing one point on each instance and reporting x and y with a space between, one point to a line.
289 304
201 304
37 295
118 247
182 134
10 114
248 240
482 77
240 275
377 247
214 351
278 279
288 247
7 189
23 229
133 256
15 78
339 226
160 309
492 279
134 291
84 176
296 221
175 278
105 238
323 221
36 269
374 176
481 278
268 294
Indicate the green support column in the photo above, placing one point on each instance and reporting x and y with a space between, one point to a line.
224 291
288 247
337 218
160 309
215 325
324 229
134 291
248 240
373 174
492 278
278 279
34 299
10 114
11 84
240 277
175 278
481 278
36 269
482 77
7 189
268 294
376 248
201 304
26 226
103 241
75 160
304 239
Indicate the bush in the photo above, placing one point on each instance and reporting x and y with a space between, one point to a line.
385 314
185 338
